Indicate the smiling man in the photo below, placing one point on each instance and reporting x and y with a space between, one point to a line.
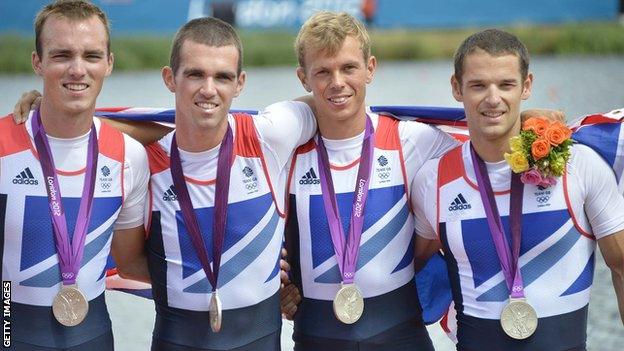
520 256
67 183
350 227
217 200
217 185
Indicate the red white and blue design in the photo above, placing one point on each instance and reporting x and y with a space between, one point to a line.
602 132
28 250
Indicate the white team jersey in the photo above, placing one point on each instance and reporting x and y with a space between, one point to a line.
249 271
30 258
386 248
559 228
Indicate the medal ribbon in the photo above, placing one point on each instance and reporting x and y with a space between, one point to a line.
69 254
508 258
220 206
346 253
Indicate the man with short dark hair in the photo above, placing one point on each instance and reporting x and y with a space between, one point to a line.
67 184
217 214
520 256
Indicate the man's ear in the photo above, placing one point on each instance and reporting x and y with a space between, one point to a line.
527 85
302 77
456 88
371 66
35 61
240 83
168 78
111 61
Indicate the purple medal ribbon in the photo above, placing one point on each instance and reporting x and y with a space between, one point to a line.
69 254
508 258
346 253
220 208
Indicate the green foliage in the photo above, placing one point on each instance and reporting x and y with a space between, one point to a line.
276 48
15 53
137 53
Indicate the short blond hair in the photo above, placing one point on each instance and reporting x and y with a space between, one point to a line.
75 10
327 31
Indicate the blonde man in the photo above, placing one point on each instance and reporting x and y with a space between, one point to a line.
366 298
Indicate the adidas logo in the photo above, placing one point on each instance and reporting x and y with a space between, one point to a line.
25 177
170 194
383 161
310 178
459 204
248 172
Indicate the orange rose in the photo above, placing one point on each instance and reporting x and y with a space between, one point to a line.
540 148
536 124
557 133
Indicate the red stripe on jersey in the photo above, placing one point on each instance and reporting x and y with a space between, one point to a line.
13 137
347 166
246 142
307 147
451 167
157 158
111 142
569 205
387 133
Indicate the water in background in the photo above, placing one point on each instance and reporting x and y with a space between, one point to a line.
578 86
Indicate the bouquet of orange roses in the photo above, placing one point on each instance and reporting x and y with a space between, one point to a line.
540 152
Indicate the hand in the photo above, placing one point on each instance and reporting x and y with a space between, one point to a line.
553 115
289 299
284 269
28 101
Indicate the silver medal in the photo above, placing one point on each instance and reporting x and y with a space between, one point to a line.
70 306
518 319
348 304
214 311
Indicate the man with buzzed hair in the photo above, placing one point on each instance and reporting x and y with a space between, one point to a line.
67 184
217 188
350 229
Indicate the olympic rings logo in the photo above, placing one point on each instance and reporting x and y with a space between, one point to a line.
251 186
384 175
542 199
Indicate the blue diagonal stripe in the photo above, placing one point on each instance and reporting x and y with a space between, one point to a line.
536 267
242 217
37 236
276 269
408 257
584 279
372 247
378 204
237 264
52 275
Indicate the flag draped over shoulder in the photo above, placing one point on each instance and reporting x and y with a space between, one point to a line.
602 132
